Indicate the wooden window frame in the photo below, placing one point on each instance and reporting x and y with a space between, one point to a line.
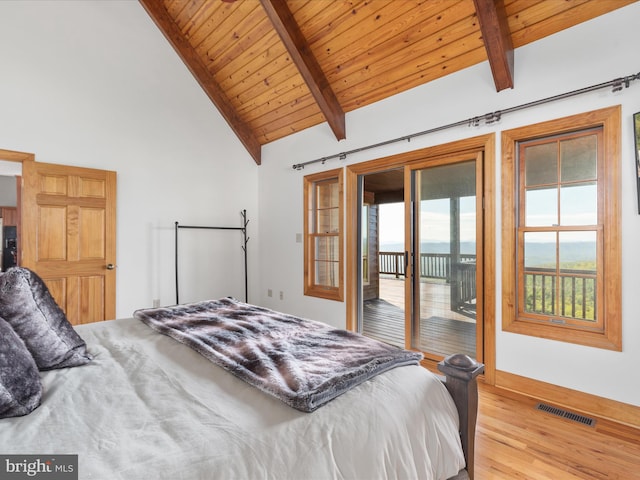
366 250
609 334
311 288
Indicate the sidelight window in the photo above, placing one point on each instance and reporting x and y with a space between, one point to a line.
323 235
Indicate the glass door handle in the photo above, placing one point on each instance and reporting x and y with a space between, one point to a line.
406 262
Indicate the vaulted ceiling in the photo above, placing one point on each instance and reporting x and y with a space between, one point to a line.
276 67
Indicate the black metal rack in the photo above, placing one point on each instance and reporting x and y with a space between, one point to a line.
242 229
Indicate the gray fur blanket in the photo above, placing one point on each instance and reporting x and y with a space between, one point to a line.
302 362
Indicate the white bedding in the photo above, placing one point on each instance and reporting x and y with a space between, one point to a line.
149 407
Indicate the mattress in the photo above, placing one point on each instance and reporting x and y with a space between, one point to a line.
148 407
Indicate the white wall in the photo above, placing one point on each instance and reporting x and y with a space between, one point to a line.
95 84
8 195
591 53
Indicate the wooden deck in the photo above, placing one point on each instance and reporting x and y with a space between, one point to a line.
442 331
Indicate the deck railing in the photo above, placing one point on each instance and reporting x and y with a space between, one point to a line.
577 288
432 265
577 293
461 276
391 263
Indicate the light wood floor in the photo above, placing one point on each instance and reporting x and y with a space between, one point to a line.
516 441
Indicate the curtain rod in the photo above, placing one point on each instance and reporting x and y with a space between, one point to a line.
489 118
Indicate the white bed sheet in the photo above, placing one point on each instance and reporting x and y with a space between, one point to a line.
150 407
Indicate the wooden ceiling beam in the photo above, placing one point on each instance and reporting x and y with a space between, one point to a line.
497 40
189 56
308 66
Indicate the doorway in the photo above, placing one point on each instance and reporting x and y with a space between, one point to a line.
66 234
382 233
10 180
430 288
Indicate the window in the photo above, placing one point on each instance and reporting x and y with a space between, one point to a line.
323 235
561 242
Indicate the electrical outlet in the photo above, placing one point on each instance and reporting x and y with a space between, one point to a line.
281 295
156 302
269 293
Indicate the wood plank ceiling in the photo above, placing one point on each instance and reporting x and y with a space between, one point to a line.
276 67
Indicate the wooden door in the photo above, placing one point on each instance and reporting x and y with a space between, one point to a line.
69 235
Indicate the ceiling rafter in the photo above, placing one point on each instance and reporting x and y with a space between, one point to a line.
277 67
307 64
497 40
191 59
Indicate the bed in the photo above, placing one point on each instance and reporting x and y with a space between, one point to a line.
140 404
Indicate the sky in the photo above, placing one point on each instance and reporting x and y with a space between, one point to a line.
577 205
434 221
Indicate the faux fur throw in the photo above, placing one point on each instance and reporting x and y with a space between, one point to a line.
302 362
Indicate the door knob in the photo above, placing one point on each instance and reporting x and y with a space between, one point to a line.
110 266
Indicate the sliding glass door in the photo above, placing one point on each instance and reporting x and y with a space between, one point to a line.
446 252
420 244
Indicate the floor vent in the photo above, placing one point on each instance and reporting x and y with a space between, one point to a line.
565 414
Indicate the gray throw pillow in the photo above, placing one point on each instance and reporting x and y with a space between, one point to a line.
27 305
20 385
